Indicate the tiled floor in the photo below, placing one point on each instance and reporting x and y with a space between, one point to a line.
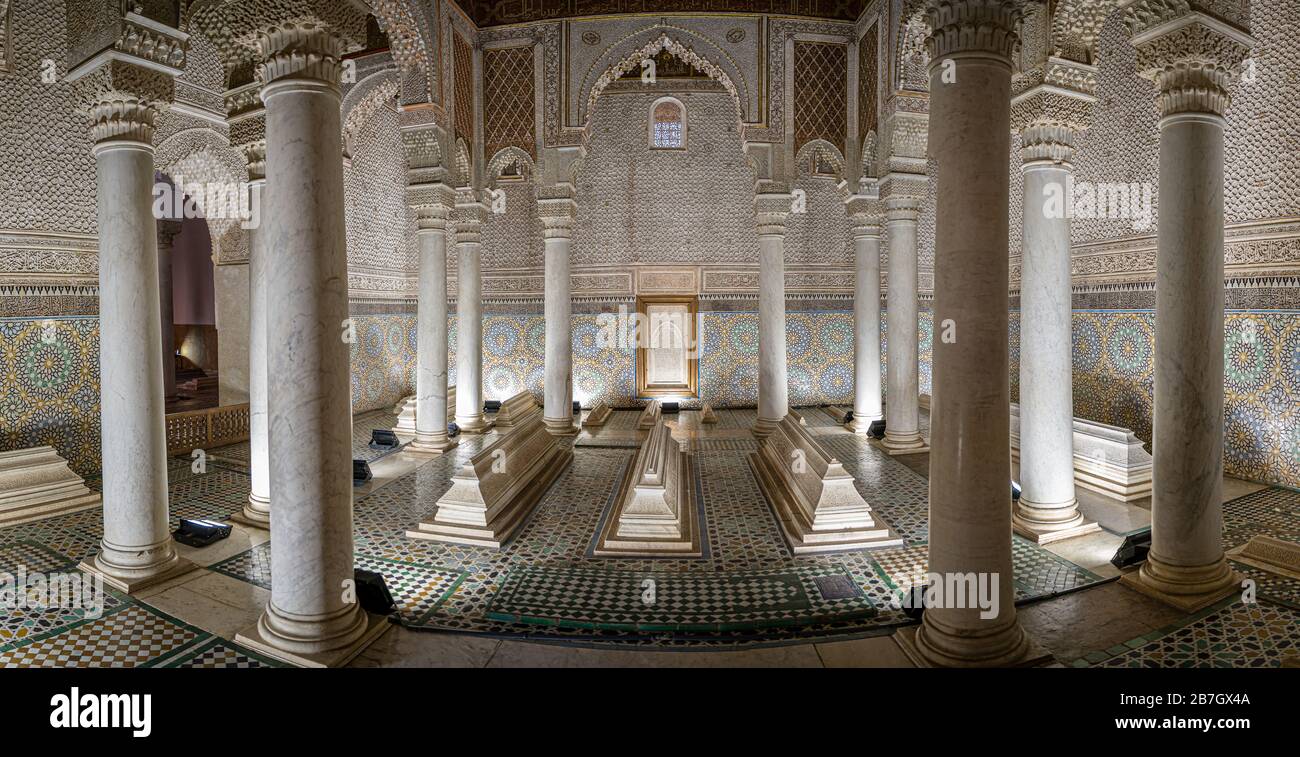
748 600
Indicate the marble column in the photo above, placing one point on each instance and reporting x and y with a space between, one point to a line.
557 216
867 401
312 617
431 328
257 510
970 457
137 548
771 210
902 413
470 214
1192 57
1047 510
168 230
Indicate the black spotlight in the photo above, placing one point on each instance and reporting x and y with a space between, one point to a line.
877 429
360 472
848 416
1134 549
200 533
372 592
382 438
1015 491
491 406
668 407
577 406
452 429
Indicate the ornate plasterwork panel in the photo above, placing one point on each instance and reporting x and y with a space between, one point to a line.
820 94
868 80
203 156
6 37
462 56
508 100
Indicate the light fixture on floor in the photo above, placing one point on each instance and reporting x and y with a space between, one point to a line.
876 429
382 438
668 408
373 593
491 406
1015 491
361 472
452 429
1134 550
577 406
200 533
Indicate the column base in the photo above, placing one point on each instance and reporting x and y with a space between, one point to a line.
1032 655
256 513
1188 588
861 424
432 446
132 580
907 443
764 427
1046 524
560 426
330 651
474 424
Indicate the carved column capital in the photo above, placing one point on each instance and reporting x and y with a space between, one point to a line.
966 27
1192 51
903 208
1048 117
300 50
432 203
558 215
469 217
770 212
866 214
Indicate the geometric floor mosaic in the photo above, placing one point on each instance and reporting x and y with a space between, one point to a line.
747 588
1230 634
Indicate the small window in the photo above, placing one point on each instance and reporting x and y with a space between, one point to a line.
667 125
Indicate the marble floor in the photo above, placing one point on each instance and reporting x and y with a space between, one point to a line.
545 600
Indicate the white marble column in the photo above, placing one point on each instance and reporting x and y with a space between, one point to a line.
557 216
168 230
470 214
867 400
137 549
312 616
902 412
1192 58
257 511
431 324
970 458
771 210
1047 510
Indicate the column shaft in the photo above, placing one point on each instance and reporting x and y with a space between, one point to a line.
866 328
137 548
558 413
1047 508
258 508
902 413
167 231
970 490
469 325
773 388
431 344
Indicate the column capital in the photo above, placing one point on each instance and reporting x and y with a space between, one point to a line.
903 208
123 99
168 230
972 27
300 50
1191 49
469 217
255 157
866 213
432 203
558 212
1047 117
770 212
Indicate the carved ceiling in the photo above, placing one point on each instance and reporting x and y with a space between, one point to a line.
486 13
